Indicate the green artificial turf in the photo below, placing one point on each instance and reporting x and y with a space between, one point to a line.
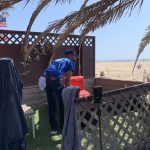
43 139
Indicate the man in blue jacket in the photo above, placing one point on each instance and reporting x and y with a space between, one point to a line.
55 73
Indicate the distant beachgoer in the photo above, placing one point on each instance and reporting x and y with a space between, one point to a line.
139 66
55 73
13 125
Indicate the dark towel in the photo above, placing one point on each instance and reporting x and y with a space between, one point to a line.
70 135
13 125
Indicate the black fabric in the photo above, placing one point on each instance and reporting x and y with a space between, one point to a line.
54 89
54 82
13 125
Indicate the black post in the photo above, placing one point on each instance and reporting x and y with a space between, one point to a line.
97 91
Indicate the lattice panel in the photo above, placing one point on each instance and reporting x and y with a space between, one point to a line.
88 41
17 38
88 126
125 120
73 41
11 38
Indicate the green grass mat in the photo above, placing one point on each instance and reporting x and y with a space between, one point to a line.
43 139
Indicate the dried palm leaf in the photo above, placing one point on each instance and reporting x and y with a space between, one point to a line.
39 8
144 42
6 4
33 17
84 4
89 18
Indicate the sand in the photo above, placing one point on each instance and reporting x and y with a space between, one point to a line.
122 70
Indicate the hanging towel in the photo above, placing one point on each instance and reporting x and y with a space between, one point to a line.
70 135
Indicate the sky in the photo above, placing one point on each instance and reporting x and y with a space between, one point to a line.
116 41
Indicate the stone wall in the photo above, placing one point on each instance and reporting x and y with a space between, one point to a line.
36 98
89 83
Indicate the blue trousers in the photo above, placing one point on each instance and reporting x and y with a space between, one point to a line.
54 92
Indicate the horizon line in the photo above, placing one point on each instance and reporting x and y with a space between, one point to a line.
121 60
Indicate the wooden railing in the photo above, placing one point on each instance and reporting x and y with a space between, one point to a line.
120 122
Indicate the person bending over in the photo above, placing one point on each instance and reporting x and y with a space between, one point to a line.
58 75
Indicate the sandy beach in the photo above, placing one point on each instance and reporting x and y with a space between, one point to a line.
122 70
